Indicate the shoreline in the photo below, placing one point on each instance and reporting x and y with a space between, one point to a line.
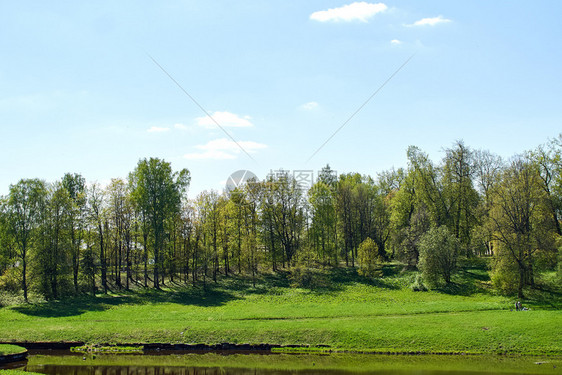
225 348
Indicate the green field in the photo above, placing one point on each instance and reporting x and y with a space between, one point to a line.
352 313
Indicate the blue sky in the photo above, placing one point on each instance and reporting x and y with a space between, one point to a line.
80 93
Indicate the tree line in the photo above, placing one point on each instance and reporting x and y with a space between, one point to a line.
69 237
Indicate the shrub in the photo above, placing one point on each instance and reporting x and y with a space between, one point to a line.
417 285
505 274
10 281
369 261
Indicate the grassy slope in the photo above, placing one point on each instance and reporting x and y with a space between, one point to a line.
354 314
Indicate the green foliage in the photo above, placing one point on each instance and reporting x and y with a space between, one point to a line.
369 259
438 255
417 285
10 280
144 231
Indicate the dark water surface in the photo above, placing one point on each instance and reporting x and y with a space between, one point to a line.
173 363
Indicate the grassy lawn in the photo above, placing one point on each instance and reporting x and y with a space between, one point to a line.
10 349
353 313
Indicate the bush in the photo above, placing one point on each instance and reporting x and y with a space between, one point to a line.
369 261
10 281
438 256
417 285
505 275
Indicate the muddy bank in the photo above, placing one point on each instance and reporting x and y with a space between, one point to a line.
8 358
61 345
155 346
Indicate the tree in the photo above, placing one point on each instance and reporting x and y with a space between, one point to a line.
548 159
323 227
428 186
89 264
459 192
75 185
24 208
286 200
54 242
346 206
439 250
120 220
517 222
97 213
157 192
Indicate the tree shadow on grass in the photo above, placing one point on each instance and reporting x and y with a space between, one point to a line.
77 306
466 283
70 307
346 276
544 297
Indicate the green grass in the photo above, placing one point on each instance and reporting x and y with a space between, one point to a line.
352 314
17 372
10 349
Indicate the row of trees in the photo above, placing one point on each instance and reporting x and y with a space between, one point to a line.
69 237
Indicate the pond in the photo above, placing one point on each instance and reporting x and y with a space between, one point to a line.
176 363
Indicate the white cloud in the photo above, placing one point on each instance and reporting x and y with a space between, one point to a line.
181 127
396 42
360 11
225 119
157 129
430 21
223 149
309 106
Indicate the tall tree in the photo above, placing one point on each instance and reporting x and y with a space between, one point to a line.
516 221
157 191
97 212
75 185
548 159
459 192
55 241
286 200
25 203
323 228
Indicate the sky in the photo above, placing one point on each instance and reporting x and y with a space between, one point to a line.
93 87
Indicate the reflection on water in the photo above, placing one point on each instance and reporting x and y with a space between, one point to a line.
163 370
238 364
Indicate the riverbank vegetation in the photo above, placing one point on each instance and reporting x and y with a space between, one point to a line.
430 257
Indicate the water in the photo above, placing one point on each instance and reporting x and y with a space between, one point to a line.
173 363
